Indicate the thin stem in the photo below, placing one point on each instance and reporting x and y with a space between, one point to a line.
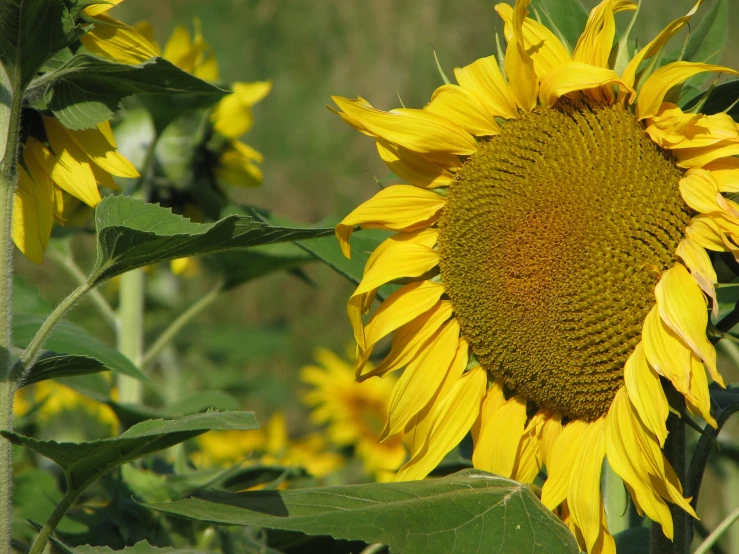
7 388
33 352
675 446
716 534
131 331
39 544
68 263
176 326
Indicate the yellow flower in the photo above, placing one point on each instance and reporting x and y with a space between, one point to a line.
56 398
238 165
268 445
553 240
114 39
354 412
54 176
232 117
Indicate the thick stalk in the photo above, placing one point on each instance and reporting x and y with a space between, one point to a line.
11 97
675 446
176 326
131 332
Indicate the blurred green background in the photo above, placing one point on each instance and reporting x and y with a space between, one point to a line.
254 340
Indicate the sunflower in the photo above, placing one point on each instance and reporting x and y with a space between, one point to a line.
60 168
552 245
354 412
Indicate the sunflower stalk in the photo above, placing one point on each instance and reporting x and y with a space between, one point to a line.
131 331
11 99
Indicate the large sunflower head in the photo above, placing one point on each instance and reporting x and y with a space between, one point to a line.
553 248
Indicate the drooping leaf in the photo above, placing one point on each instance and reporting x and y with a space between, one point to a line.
87 90
564 17
469 512
241 266
721 98
85 462
72 340
53 366
708 39
363 243
133 234
31 31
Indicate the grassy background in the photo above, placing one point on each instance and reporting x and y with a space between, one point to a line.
316 167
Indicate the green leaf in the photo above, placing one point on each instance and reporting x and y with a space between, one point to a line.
85 462
633 541
87 90
707 41
240 266
31 31
133 234
719 99
53 366
363 243
566 18
27 298
142 547
471 511
70 339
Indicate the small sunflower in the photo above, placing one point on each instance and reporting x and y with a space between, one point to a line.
61 168
354 412
553 244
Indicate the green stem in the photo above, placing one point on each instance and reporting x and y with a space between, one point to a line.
176 326
675 446
131 332
716 534
10 120
74 270
39 545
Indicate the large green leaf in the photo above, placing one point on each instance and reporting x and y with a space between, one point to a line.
31 31
141 547
133 234
87 90
565 17
53 366
720 98
363 243
469 512
240 266
707 41
71 339
85 462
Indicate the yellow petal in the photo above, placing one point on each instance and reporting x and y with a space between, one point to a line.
550 431
583 496
417 430
237 165
494 399
564 455
422 378
99 145
97 9
682 307
461 106
545 49
484 79
629 74
405 257
113 39
401 307
705 231
179 49
417 130
499 438
704 155
596 41
656 86
232 116
32 212
146 30
646 394
408 339
699 388
726 173
427 171
625 457
397 208
700 191
452 420
672 128
576 76
207 69
68 166
701 268
519 66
